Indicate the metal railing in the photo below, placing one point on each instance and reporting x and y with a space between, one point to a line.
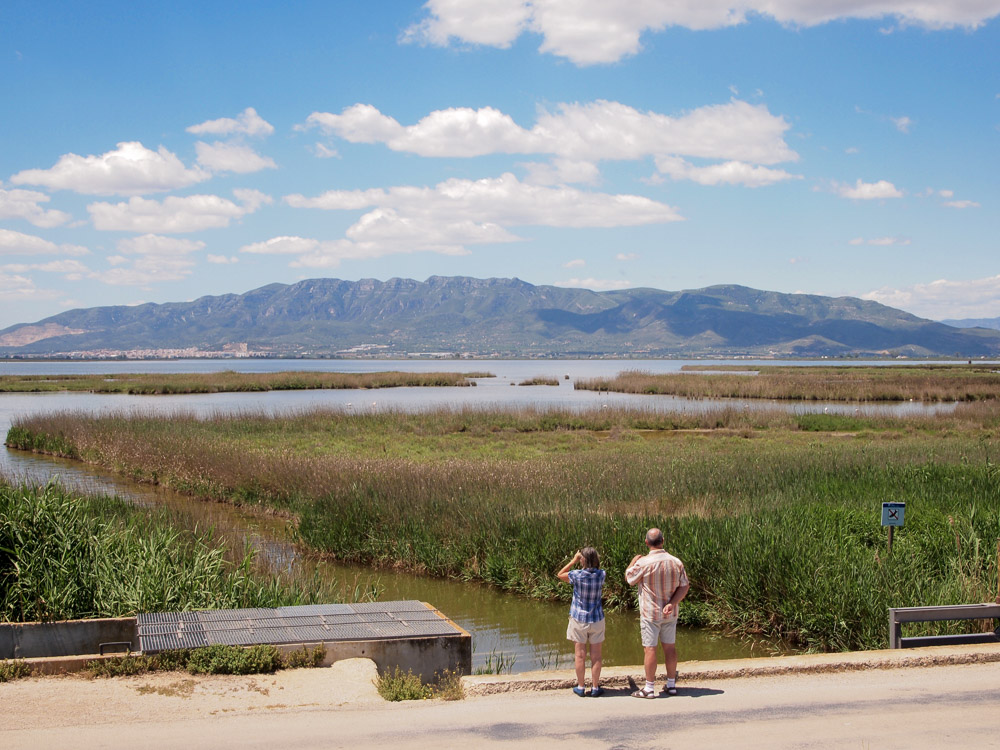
900 615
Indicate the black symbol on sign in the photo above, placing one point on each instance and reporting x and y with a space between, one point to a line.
893 514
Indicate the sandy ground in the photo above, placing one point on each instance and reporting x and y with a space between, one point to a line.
945 706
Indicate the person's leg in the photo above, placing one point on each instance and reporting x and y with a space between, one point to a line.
580 659
649 662
670 660
595 663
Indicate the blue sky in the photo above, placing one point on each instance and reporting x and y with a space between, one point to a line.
158 152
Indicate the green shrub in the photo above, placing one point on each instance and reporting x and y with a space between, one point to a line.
398 685
121 666
304 657
13 670
218 659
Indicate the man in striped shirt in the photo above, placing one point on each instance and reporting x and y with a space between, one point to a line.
662 584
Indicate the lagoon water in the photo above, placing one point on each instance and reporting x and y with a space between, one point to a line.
533 633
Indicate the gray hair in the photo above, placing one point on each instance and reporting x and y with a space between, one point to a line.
654 537
590 558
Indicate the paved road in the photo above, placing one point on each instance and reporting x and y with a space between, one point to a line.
943 707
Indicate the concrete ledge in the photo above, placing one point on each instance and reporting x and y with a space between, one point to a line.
24 640
698 671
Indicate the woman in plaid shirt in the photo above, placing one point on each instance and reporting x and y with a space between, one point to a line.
586 616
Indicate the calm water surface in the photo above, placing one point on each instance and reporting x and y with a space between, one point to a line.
531 632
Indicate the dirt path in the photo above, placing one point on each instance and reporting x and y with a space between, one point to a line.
948 706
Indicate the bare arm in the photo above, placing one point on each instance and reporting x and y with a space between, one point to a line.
563 575
671 606
632 573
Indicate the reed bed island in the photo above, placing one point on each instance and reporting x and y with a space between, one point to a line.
776 515
927 383
229 381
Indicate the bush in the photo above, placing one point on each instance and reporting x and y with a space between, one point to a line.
13 670
304 657
263 659
398 685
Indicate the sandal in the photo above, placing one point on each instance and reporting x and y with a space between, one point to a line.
643 693
667 690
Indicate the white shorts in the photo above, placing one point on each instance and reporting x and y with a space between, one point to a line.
655 632
585 632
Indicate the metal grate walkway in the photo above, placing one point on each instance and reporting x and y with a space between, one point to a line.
160 631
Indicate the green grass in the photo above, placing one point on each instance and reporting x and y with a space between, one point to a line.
66 557
776 516
228 381
927 383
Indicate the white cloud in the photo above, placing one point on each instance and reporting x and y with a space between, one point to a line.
248 122
562 172
598 285
503 200
961 204
903 124
18 243
495 23
886 241
600 130
18 288
231 157
73 269
174 214
944 299
596 31
322 151
154 244
221 259
857 241
868 191
728 173
131 169
626 256
575 263
454 214
24 204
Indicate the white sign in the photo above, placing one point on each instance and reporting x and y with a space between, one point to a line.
892 514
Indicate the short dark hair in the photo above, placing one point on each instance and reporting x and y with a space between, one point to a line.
590 558
654 538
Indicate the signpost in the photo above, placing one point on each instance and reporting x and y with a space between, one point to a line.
892 516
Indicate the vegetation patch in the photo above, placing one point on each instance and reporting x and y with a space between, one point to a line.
397 685
780 534
14 670
926 383
63 556
229 381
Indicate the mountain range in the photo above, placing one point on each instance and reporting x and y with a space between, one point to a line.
498 317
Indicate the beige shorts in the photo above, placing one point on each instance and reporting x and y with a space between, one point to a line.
585 632
655 632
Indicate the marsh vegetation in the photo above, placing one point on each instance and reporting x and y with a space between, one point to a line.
229 381
776 515
927 383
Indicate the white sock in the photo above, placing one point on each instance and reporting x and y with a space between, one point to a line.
650 687
671 682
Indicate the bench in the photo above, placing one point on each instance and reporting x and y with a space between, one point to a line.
900 615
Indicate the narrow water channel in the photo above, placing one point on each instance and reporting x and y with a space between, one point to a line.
503 626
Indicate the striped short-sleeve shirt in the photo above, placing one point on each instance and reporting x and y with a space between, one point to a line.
658 575
587 586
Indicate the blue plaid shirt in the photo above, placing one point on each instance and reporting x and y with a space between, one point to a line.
587 584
